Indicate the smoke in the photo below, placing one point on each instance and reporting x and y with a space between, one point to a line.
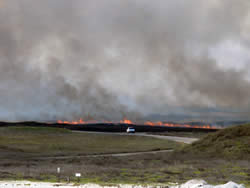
111 59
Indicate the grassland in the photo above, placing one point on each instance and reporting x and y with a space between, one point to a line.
182 165
142 169
230 143
32 141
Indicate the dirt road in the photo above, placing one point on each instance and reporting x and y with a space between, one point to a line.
185 140
106 155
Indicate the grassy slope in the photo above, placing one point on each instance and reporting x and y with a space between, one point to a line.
230 143
54 141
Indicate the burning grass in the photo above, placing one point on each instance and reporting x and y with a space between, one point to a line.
147 123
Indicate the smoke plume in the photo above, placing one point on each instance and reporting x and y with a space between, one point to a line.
110 59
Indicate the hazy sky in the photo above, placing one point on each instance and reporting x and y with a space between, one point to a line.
62 59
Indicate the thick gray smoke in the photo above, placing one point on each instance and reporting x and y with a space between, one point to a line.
62 59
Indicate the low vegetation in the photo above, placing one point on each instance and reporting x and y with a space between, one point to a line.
212 164
230 143
42 141
138 169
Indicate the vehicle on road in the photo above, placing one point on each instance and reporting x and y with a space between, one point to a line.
130 130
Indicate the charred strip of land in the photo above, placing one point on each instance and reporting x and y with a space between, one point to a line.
108 127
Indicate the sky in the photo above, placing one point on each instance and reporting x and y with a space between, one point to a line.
112 59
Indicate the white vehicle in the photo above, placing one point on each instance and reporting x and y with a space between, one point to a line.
130 130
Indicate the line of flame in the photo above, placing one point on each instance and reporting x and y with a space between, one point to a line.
129 122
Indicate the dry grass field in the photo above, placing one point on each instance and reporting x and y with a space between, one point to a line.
43 141
21 147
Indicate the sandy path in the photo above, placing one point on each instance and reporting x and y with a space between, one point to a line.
185 140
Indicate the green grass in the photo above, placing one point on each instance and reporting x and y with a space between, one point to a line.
158 168
54 141
230 143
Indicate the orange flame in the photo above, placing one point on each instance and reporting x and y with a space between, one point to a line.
129 122
126 121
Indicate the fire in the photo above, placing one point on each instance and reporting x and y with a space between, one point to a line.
129 122
126 121
79 122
